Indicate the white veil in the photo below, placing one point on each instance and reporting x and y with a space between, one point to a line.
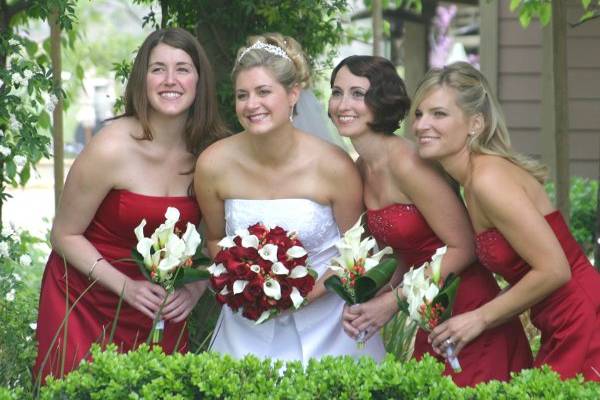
311 118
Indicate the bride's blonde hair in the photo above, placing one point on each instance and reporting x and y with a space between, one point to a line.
474 96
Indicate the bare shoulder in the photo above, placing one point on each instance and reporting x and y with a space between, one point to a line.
491 175
114 143
331 159
405 164
219 154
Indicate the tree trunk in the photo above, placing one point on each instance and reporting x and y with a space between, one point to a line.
555 124
377 20
57 124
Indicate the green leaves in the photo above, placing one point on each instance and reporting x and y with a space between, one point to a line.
367 285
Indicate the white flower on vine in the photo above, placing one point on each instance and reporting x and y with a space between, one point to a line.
20 160
51 103
4 151
33 326
10 296
27 74
14 42
17 79
25 260
15 125
4 249
17 277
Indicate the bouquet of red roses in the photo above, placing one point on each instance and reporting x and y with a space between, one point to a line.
262 271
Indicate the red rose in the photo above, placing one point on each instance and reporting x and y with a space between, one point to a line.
252 311
258 230
286 288
219 282
284 304
304 285
254 289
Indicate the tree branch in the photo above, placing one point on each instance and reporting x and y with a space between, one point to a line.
14 9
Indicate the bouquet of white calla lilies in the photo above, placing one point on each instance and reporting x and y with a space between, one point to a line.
168 258
359 272
428 299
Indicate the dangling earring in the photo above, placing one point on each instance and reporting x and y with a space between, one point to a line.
292 114
472 133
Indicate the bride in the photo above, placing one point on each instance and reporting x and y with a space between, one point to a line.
276 174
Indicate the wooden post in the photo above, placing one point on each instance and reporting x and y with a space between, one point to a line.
555 101
488 53
57 114
377 21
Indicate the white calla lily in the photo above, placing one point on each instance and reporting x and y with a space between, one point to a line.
436 264
226 242
144 246
239 286
269 252
263 317
168 264
255 268
217 269
296 298
375 259
139 230
250 241
299 271
224 291
272 289
192 240
296 252
172 216
279 269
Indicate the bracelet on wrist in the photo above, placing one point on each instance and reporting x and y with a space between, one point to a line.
89 275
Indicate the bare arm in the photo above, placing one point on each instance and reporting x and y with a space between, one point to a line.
509 209
206 179
86 186
345 188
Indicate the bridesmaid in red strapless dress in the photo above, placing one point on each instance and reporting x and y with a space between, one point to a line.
569 317
458 122
494 354
414 209
93 317
148 153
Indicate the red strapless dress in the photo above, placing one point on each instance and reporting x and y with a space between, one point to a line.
91 320
496 352
569 317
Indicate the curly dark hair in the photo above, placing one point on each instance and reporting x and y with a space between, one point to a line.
387 97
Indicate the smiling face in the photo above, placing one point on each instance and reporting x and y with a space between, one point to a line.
262 104
440 125
347 106
171 80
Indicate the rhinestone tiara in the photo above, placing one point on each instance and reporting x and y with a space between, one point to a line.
278 51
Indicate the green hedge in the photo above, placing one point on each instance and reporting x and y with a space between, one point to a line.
149 374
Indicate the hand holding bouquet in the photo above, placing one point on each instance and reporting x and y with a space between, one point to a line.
359 272
169 258
262 271
429 299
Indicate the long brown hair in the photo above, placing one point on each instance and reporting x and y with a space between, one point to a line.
204 125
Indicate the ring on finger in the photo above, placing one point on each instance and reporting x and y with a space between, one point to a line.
449 342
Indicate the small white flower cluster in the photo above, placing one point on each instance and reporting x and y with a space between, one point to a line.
25 260
20 160
15 125
10 296
5 151
4 250
51 103
14 42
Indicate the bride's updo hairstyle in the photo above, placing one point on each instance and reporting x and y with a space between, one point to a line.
474 96
282 55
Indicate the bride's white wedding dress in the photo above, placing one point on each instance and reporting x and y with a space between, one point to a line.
313 331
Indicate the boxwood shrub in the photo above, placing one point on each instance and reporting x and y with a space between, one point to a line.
150 374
